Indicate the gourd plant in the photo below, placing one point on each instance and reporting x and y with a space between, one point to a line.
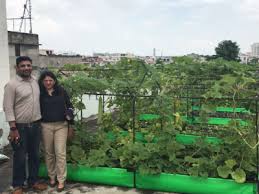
160 152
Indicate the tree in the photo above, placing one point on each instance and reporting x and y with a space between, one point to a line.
228 50
254 61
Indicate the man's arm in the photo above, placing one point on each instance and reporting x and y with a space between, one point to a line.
8 105
9 102
12 124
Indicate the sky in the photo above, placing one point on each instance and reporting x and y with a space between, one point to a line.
173 27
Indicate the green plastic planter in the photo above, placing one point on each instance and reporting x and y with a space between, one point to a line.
225 109
213 121
197 120
192 185
181 138
191 139
148 117
99 175
163 182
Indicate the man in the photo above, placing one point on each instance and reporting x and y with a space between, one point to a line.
22 111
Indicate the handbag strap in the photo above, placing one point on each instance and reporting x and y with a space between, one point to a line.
65 104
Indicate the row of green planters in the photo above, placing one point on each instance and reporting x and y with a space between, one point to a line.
161 182
159 155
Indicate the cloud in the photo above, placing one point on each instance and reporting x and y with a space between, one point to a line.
193 3
174 26
249 9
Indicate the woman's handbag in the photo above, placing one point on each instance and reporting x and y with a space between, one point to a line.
69 113
70 132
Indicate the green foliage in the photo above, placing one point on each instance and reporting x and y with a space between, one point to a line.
228 50
74 67
239 175
167 84
80 83
224 171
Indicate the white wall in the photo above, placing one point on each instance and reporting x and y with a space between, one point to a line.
4 66
4 56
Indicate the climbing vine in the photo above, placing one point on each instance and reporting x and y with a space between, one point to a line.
168 91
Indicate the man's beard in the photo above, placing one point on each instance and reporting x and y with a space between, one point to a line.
24 75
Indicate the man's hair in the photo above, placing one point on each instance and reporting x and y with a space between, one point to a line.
22 58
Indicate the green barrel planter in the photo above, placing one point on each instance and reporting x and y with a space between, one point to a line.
192 185
99 175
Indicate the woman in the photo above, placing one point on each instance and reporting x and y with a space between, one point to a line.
55 109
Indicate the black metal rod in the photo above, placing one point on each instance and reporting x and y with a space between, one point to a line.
21 18
181 97
103 106
133 116
192 104
81 113
187 102
134 131
161 118
257 149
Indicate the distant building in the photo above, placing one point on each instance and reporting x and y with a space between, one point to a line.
92 60
58 60
255 49
247 58
26 44
47 57
197 57
154 52
21 44
250 57
46 52
165 59
112 58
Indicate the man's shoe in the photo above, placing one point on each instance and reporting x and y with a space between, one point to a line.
39 186
52 184
60 187
17 190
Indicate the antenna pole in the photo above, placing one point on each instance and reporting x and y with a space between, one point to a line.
26 10
30 17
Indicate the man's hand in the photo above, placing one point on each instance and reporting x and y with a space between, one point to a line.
14 136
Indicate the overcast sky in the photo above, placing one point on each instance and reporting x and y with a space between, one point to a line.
173 27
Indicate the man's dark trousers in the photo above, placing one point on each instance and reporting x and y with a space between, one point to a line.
30 135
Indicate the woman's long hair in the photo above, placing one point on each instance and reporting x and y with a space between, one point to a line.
43 75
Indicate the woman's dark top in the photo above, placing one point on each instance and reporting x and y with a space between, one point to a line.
53 107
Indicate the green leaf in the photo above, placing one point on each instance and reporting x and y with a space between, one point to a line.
172 157
190 159
204 174
239 175
230 163
248 167
194 171
77 153
230 139
224 171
